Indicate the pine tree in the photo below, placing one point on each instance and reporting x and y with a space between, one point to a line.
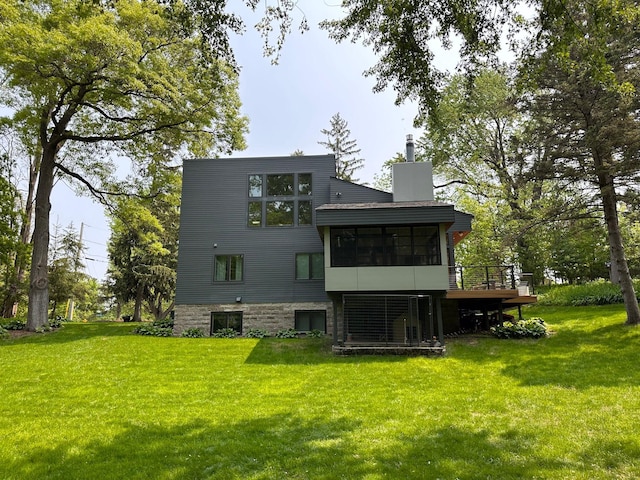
343 147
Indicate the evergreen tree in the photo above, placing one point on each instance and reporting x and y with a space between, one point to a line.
343 147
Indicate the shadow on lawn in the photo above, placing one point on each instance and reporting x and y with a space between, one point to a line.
308 351
274 447
284 446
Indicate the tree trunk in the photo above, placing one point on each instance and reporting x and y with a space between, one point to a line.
137 309
37 315
14 293
618 258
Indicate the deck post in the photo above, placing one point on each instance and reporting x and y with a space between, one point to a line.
439 320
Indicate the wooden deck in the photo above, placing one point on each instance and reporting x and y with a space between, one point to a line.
509 296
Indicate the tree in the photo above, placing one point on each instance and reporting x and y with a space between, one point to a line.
343 147
404 32
143 248
578 249
587 77
19 214
91 76
12 250
65 265
485 148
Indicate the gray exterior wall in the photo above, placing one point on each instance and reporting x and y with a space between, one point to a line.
345 192
380 215
213 221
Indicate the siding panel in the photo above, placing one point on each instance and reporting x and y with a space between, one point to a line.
214 222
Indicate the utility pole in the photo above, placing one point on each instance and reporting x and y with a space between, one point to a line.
71 301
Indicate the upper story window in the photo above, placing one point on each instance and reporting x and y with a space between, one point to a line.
255 185
280 185
228 268
385 246
280 200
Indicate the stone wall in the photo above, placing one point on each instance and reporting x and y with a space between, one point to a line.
267 316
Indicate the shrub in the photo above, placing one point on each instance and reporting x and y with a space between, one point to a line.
256 333
4 333
15 324
287 333
56 322
532 328
225 333
152 330
192 333
165 323
593 293
315 334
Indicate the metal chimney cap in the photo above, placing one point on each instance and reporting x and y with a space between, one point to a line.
409 137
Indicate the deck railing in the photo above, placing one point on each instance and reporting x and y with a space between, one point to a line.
482 277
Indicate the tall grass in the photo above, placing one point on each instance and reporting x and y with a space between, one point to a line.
93 401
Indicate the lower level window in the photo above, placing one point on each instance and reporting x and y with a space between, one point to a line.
307 320
222 320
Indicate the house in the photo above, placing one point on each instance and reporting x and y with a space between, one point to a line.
279 242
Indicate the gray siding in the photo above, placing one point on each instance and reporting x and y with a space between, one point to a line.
385 216
214 222
462 222
347 192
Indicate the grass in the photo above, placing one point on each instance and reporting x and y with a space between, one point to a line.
92 401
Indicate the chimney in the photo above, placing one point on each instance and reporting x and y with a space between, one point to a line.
411 151
412 181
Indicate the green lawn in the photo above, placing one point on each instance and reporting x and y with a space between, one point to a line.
92 401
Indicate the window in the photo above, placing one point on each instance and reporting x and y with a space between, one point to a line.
255 214
280 185
228 268
304 184
309 266
255 185
220 320
307 320
279 213
279 200
385 246
305 215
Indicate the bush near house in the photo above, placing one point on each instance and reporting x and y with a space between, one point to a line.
159 328
192 333
532 328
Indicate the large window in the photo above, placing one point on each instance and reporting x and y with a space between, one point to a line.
221 320
279 213
305 215
280 200
309 266
385 246
228 268
307 320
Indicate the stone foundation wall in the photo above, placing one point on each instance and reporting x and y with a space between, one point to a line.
267 316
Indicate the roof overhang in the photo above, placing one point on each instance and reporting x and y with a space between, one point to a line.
393 213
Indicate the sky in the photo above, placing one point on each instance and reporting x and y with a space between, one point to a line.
287 105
